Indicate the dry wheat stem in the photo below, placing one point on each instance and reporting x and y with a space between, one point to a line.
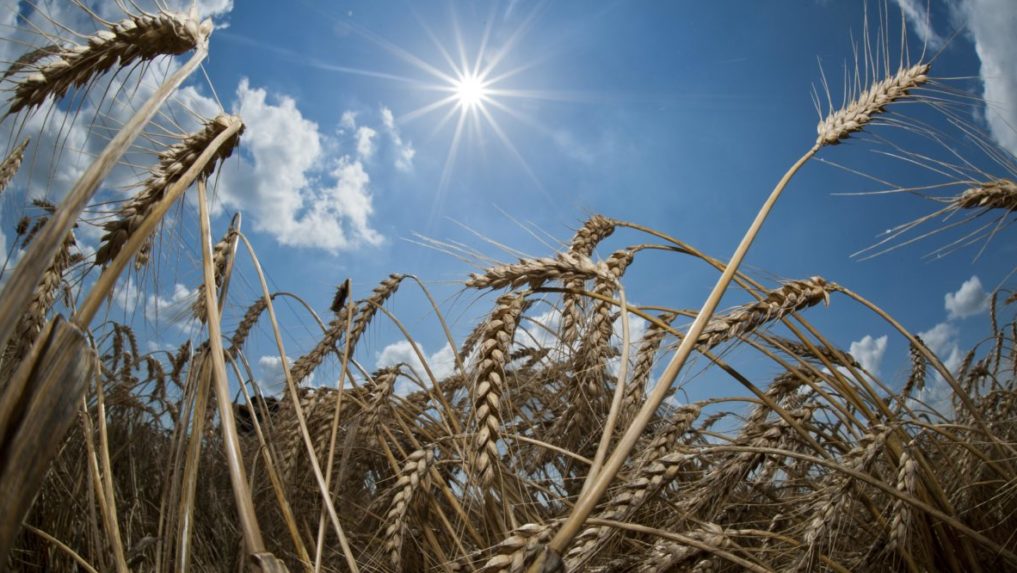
241 492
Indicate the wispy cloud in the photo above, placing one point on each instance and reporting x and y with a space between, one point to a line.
991 26
918 17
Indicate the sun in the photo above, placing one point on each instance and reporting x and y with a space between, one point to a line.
470 91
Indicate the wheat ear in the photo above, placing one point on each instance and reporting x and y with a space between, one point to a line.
135 39
518 550
172 165
792 297
490 385
11 164
220 258
535 272
594 230
413 481
838 125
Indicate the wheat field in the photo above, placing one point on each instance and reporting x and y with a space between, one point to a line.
569 451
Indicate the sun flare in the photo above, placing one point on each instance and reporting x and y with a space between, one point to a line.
470 91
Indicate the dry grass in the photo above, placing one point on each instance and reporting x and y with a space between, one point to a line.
537 454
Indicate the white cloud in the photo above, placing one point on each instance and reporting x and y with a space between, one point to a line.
869 352
127 295
403 150
940 338
348 120
280 185
442 363
943 341
174 309
969 300
918 16
365 142
991 25
272 379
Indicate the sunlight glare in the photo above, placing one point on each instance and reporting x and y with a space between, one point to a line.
470 91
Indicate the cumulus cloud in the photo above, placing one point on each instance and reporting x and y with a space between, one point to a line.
283 181
991 26
869 352
442 363
943 341
272 379
969 300
918 17
174 309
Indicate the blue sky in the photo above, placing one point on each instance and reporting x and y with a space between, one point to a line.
678 116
